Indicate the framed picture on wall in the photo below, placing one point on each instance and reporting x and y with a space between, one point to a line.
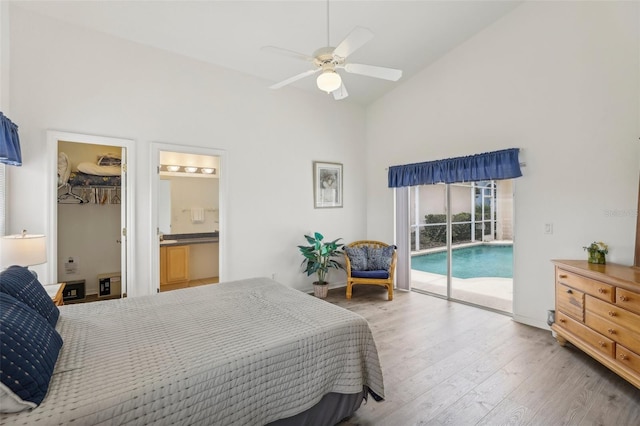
327 184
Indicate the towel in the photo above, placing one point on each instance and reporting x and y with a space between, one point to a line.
197 215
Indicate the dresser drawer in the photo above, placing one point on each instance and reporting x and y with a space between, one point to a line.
614 313
596 340
595 288
628 358
570 301
628 300
613 331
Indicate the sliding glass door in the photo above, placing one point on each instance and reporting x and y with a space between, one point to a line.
462 242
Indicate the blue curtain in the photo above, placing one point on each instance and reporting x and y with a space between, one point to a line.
9 142
495 165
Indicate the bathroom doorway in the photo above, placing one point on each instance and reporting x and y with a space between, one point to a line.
188 206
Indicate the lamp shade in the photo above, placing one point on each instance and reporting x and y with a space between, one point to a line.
329 81
22 250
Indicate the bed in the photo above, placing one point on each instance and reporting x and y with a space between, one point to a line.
250 352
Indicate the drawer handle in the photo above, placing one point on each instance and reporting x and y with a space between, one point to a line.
562 276
569 291
612 314
611 331
561 320
602 290
624 298
623 357
602 344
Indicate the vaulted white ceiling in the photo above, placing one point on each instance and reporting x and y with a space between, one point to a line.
409 35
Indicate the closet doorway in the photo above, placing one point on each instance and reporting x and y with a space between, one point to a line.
90 215
188 216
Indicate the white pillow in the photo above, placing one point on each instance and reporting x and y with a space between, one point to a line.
12 403
94 169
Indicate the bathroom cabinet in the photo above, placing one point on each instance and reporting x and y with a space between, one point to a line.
174 264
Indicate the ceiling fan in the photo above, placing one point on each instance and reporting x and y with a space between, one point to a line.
328 60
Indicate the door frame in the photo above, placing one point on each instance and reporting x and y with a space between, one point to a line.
127 213
156 147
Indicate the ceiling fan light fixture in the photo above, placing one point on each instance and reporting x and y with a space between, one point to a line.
329 81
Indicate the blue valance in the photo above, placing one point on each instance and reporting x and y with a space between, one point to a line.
9 142
495 165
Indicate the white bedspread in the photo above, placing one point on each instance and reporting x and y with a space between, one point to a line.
243 353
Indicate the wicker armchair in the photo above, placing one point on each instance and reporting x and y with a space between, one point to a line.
379 277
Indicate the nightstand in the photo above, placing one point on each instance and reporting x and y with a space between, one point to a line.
55 292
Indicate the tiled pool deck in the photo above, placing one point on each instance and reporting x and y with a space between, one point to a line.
494 293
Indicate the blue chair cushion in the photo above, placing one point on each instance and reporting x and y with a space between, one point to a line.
357 257
380 274
20 283
30 348
380 258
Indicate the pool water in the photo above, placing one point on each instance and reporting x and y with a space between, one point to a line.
469 262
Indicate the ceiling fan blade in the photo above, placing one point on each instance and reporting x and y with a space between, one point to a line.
354 41
373 71
340 92
294 78
286 52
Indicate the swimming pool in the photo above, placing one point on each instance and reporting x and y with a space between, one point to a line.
469 262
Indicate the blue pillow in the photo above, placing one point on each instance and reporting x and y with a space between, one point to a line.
357 257
19 282
30 348
379 259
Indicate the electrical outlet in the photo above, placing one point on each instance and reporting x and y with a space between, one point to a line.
548 228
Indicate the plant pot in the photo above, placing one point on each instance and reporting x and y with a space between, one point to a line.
596 257
320 290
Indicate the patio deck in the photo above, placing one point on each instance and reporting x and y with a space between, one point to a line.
494 293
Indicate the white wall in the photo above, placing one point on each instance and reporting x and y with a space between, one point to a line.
4 57
558 80
89 233
70 79
4 101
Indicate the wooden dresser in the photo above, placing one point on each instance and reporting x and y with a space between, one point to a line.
598 311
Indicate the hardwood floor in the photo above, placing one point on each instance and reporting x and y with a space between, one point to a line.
190 283
446 363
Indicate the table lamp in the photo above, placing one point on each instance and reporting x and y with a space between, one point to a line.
23 250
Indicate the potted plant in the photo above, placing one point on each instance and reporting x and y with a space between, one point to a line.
318 259
597 251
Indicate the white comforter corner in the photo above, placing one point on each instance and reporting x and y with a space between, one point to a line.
239 353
